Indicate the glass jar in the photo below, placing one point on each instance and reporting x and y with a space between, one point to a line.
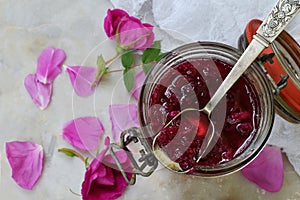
147 162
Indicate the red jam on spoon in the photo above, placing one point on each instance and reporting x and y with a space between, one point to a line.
190 84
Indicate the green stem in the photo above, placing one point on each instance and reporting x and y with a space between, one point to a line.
112 59
72 153
103 70
74 192
135 66
118 29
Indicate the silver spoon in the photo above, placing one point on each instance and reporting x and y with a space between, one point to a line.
273 25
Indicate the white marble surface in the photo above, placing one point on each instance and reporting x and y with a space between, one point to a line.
77 27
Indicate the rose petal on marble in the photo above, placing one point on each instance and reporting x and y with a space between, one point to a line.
138 83
82 79
266 170
49 64
40 93
26 161
122 116
83 133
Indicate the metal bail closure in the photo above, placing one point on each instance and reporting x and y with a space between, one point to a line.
282 83
281 64
147 162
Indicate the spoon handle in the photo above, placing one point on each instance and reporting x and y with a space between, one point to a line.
276 21
249 55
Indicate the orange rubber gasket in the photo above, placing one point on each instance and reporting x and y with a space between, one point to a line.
290 94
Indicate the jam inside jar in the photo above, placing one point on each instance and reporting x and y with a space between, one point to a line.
187 78
190 84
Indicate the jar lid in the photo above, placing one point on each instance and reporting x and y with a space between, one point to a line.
281 61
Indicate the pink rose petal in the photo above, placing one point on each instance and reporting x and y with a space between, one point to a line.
122 156
26 161
83 133
138 83
112 20
49 64
101 181
104 151
109 176
149 39
123 117
39 92
133 34
82 79
133 31
266 170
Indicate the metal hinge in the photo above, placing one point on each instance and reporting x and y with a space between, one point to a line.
146 163
282 83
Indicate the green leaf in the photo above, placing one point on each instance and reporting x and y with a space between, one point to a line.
101 62
151 53
160 56
128 77
68 152
147 67
127 59
101 70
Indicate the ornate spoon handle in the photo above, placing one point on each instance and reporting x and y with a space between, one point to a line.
283 12
281 15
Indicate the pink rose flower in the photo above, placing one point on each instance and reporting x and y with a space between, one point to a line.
128 31
103 180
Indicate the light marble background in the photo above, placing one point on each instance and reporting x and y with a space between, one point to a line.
27 27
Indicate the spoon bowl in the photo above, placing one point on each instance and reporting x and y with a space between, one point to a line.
207 145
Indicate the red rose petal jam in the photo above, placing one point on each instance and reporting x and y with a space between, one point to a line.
190 84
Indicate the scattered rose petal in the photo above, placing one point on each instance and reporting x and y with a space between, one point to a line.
83 133
49 64
122 116
103 182
82 79
39 92
138 83
26 161
266 170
